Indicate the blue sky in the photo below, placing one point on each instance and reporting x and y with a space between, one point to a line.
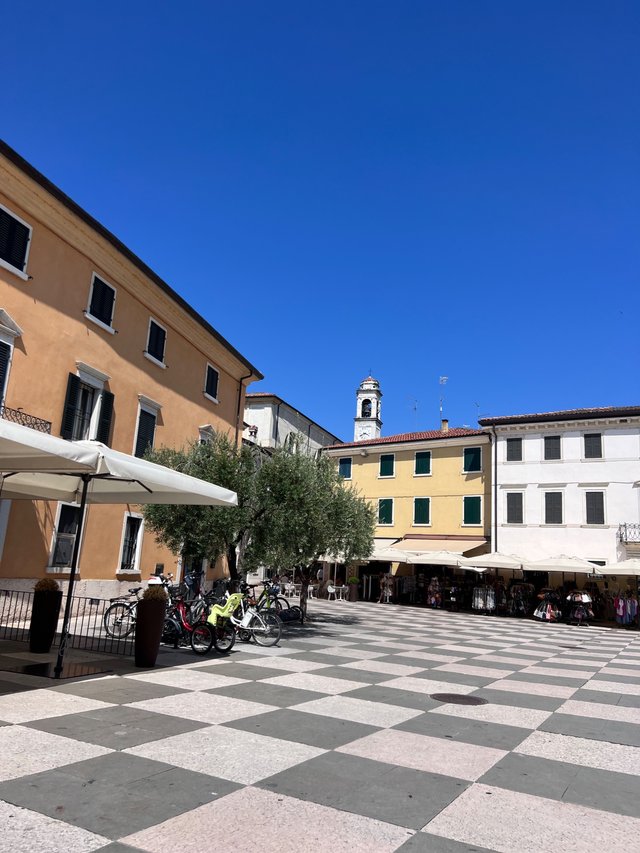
415 189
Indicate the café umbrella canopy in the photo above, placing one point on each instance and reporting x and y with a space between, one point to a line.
494 560
625 567
25 449
88 472
568 565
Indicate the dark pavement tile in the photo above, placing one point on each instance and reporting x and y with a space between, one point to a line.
520 700
242 670
423 842
298 726
556 680
455 677
118 690
353 674
392 794
465 731
609 731
392 696
267 694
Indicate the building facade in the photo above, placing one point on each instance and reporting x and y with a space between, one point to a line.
270 422
94 345
567 483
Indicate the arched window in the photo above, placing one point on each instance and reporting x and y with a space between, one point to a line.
366 408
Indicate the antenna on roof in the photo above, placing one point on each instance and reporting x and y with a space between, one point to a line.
414 406
443 381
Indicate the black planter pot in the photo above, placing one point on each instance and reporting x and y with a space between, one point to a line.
353 592
44 620
149 625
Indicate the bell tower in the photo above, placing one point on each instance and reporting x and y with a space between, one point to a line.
367 423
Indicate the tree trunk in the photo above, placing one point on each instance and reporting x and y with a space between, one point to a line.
232 562
304 590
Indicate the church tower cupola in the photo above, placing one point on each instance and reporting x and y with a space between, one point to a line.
367 423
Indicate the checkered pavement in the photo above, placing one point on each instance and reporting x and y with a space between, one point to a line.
332 741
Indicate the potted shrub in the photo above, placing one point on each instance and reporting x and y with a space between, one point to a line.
47 598
149 624
353 582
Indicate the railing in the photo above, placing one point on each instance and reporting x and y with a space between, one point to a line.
20 417
86 626
629 532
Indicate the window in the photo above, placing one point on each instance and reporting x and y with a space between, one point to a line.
553 507
5 359
422 463
515 508
156 341
552 447
15 236
344 467
146 431
131 544
366 408
593 445
387 464
65 535
211 383
88 408
514 450
472 510
101 301
472 459
385 511
422 510
595 507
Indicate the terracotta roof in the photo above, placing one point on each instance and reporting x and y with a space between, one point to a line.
429 435
566 415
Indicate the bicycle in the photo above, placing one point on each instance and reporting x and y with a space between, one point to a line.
119 618
270 598
236 616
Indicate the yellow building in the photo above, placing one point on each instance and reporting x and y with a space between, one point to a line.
93 344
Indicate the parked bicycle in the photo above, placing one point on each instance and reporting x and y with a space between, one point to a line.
119 618
237 615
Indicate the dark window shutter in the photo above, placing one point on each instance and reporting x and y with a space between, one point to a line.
70 407
423 462
514 450
211 387
553 508
593 445
5 356
344 467
515 514
14 240
472 459
146 430
387 461
106 415
471 510
385 511
421 507
595 507
102 299
128 561
552 447
157 337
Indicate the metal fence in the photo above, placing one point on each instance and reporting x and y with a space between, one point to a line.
24 418
86 626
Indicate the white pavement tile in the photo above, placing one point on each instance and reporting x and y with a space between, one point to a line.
603 686
483 671
506 715
317 683
25 751
29 705
512 685
361 654
627 671
427 685
231 754
382 666
524 651
601 711
477 650
358 711
422 752
584 663
428 656
24 831
287 664
299 826
516 661
579 674
203 707
583 751
191 679
510 822
401 647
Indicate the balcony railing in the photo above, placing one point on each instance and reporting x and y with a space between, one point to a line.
629 532
20 417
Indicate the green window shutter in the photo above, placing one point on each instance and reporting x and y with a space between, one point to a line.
471 510
387 461
70 407
344 467
106 415
423 462
472 459
385 511
421 510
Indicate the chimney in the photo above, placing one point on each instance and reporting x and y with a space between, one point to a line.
444 425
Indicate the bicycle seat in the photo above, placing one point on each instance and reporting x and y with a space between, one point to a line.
134 589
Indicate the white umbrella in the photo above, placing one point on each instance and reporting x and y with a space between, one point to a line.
26 449
571 565
495 560
434 558
626 567
107 477
391 555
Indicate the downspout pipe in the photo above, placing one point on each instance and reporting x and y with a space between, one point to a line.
240 386
494 544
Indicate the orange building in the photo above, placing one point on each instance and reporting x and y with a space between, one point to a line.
93 344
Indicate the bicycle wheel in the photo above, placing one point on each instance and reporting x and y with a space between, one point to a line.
170 633
119 619
266 628
277 603
224 635
202 638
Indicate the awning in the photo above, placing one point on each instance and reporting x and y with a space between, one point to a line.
455 546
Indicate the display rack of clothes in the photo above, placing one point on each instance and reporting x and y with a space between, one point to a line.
434 594
626 609
549 608
520 598
484 598
580 610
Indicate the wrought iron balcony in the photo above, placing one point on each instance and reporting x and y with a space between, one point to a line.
629 532
20 417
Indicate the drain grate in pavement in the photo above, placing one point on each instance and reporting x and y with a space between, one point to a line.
458 699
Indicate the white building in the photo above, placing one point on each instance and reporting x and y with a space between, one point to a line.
269 421
567 483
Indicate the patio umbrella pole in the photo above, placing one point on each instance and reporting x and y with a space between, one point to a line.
64 636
